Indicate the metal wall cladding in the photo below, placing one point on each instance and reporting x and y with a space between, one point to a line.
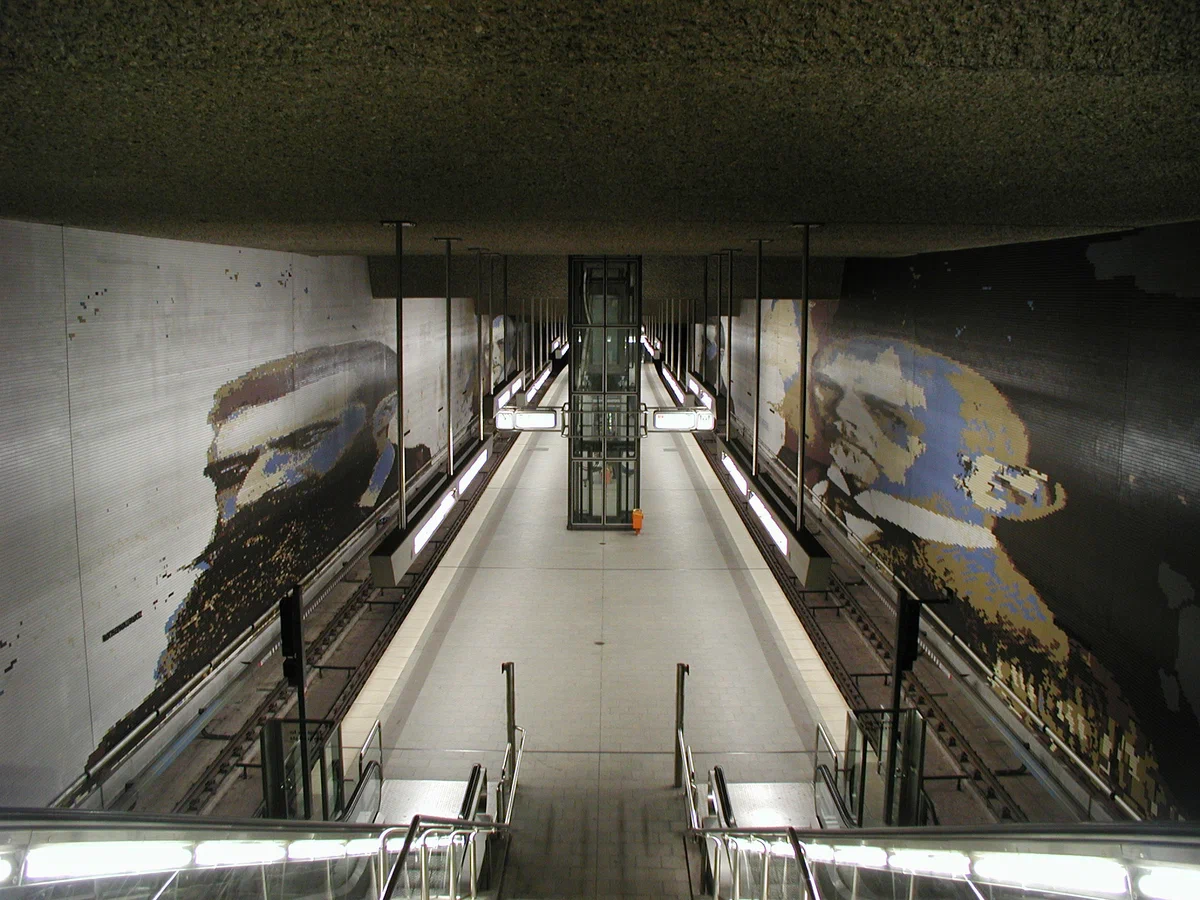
1017 428
43 677
230 419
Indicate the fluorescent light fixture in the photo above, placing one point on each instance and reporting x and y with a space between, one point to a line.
948 863
472 470
1162 884
316 850
505 396
537 419
818 853
505 420
239 853
517 382
425 532
362 847
738 478
674 420
871 857
94 859
773 529
537 385
6 870
1072 874
673 385
692 385
706 420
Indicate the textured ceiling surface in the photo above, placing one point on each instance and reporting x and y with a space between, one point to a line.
623 126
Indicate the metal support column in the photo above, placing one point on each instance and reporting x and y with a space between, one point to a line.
729 349
479 251
401 475
802 427
448 241
758 298
681 671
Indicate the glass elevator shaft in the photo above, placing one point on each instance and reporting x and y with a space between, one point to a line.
603 425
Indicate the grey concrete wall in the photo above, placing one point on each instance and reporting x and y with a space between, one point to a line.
164 406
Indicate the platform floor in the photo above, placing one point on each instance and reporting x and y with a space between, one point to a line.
595 623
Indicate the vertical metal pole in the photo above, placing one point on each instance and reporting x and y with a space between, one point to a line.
509 333
510 705
479 251
698 350
449 363
720 321
758 298
801 436
729 352
401 474
302 715
681 671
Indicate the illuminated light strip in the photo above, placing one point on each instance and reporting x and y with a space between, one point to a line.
239 853
472 470
738 478
674 385
1164 884
764 516
646 344
95 859
1071 874
948 863
504 397
537 385
425 532
693 386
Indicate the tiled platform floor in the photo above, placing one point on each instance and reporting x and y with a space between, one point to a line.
595 623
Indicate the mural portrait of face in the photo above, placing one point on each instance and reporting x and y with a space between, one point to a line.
312 431
914 440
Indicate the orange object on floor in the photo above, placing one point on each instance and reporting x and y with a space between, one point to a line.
637 521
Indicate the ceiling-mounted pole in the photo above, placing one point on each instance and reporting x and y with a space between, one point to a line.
509 342
401 475
729 349
479 251
801 436
449 364
758 298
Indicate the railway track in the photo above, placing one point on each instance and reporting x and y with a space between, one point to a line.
242 745
976 771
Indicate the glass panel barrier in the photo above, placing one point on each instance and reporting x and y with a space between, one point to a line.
1005 863
113 856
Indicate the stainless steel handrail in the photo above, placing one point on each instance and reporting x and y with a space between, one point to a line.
424 827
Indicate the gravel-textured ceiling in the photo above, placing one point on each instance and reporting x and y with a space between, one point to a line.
620 126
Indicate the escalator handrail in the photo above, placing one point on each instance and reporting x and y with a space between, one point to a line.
822 773
86 819
721 789
475 784
420 823
358 789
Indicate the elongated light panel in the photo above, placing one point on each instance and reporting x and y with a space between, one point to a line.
732 469
773 529
673 385
95 859
472 470
421 538
1071 874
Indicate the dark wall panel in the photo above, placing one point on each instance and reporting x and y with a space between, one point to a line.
1018 428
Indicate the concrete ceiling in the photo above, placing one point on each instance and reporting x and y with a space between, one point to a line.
648 127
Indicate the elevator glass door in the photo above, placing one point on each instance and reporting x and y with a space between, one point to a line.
605 391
